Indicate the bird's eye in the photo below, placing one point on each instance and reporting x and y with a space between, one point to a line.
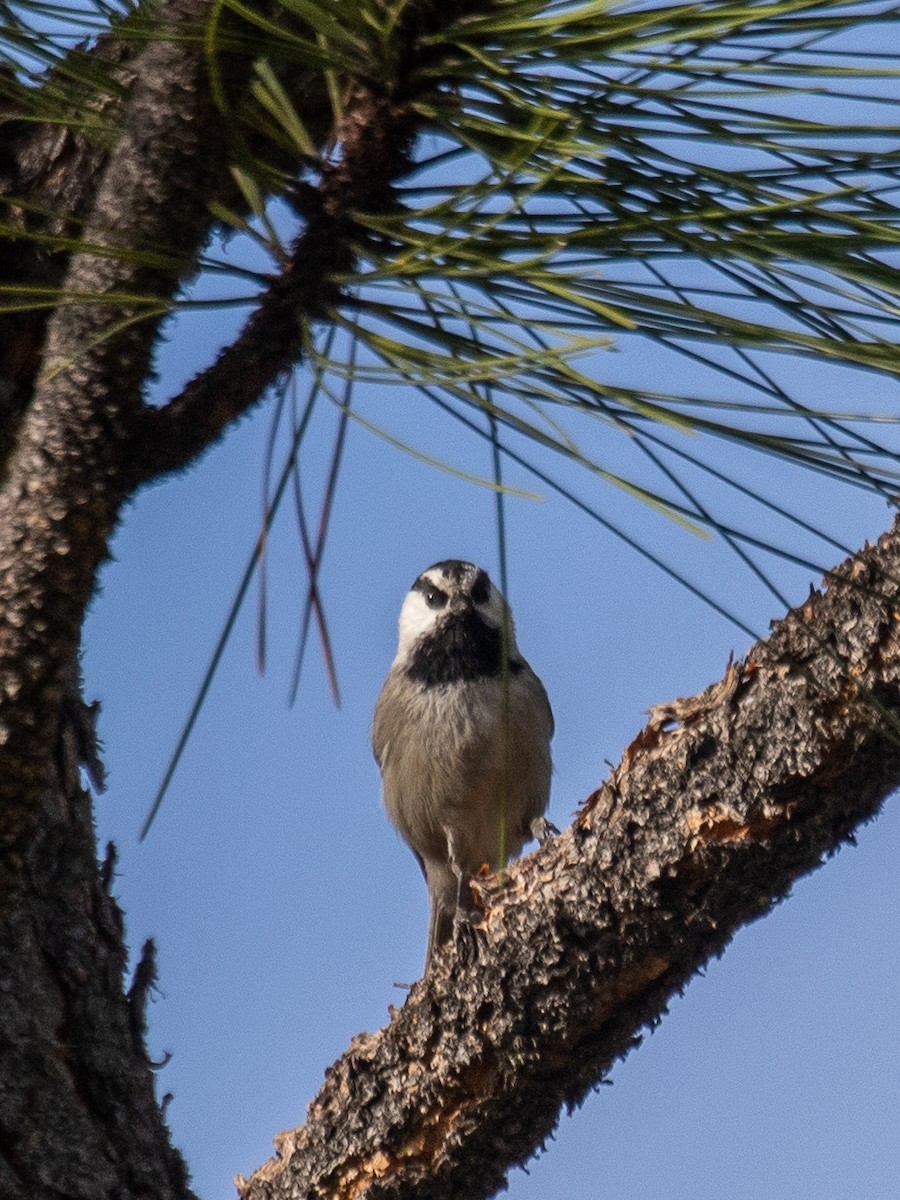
435 598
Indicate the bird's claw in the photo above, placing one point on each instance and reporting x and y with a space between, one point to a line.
543 830
465 941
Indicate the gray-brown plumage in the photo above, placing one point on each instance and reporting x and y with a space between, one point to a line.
458 761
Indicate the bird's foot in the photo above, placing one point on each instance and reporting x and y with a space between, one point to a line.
543 830
465 940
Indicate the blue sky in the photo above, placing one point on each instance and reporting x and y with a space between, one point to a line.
284 905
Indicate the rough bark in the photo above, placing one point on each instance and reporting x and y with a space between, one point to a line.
717 807
49 174
78 1117
375 135
65 481
119 211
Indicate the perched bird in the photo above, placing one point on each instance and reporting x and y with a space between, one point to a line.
462 738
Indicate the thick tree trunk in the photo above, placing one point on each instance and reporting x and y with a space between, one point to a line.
718 806
114 212
78 1115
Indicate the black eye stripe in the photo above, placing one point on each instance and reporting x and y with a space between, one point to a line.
434 597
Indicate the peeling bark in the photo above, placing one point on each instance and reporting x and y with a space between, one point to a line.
717 807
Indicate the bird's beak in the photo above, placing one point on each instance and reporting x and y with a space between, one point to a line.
460 604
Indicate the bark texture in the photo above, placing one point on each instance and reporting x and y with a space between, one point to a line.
49 174
78 1116
717 807
105 195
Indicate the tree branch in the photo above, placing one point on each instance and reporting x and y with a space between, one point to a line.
64 483
49 173
717 807
375 135
78 1115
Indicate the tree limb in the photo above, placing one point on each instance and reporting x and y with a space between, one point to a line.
375 135
717 807
78 1115
64 482
49 173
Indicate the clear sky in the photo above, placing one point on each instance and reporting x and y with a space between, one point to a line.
284 905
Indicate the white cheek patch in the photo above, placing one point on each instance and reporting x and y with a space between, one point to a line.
416 619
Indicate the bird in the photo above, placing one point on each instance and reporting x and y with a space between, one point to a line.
461 734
